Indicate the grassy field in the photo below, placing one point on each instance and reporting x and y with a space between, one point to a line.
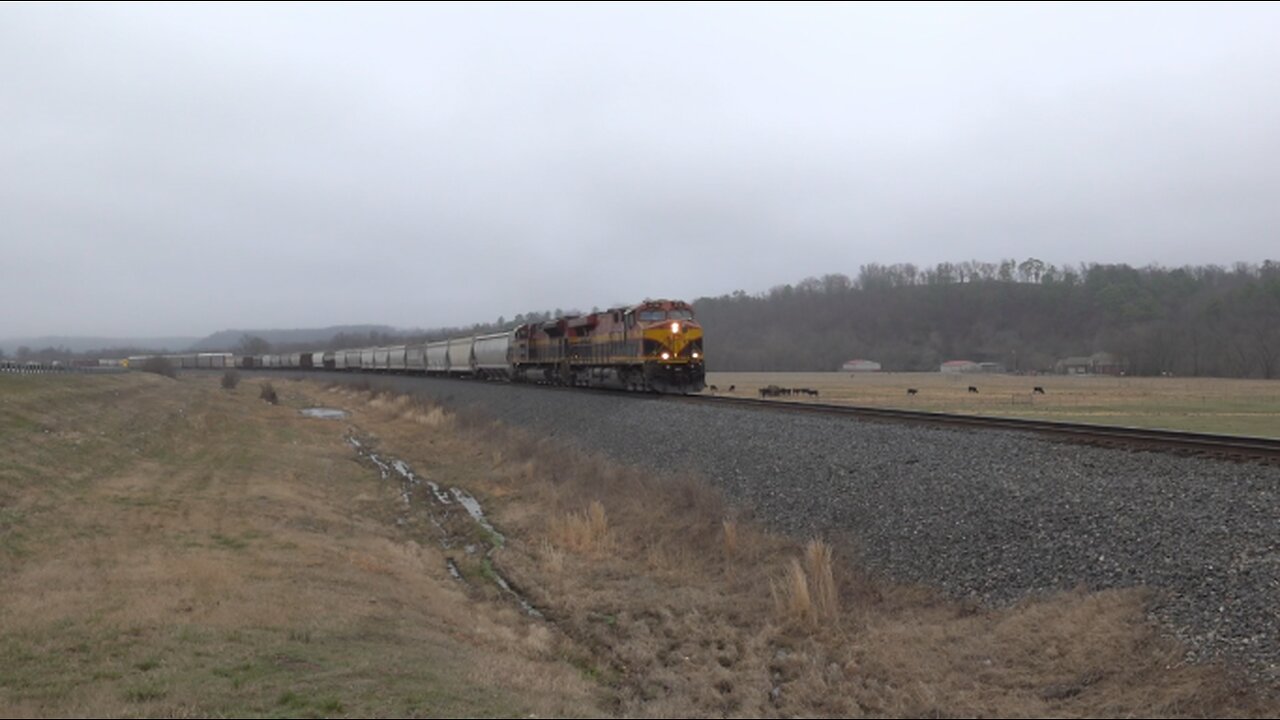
169 548
172 549
1214 405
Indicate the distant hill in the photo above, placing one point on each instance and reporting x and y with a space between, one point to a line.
85 344
1028 316
229 339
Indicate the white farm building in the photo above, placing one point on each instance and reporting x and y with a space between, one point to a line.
861 366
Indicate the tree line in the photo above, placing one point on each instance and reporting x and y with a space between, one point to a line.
1196 320
1199 320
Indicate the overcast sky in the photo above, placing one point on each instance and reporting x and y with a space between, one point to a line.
176 170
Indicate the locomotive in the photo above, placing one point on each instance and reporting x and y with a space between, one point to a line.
654 346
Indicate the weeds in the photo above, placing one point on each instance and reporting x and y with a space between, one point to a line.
582 532
806 595
268 393
160 366
730 538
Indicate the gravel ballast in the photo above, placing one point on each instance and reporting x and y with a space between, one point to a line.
996 515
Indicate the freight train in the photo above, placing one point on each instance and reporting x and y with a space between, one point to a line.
655 346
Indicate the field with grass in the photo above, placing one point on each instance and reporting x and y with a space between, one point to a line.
1212 405
173 548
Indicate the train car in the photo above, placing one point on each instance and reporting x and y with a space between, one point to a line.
415 358
339 360
461 362
353 359
367 359
492 355
396 358
437 354
214 360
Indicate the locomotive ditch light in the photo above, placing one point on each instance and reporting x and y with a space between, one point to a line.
666 356
695 356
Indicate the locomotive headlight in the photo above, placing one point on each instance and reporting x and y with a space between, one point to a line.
666 356
675 327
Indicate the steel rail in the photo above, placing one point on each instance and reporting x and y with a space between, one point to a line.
1228 446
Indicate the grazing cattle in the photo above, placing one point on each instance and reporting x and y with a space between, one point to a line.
731 388
713 388
973 389
1038 390
912 391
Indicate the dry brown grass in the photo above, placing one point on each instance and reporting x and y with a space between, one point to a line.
1247 407
689 610
582 532
730 539
172 549
806 594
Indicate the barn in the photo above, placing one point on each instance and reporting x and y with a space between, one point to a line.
859 365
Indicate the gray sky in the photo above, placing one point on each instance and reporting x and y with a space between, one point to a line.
183 169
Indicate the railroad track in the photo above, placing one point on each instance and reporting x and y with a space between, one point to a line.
1234 447
1225 446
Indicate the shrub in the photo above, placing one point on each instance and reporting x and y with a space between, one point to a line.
230 379
269 394
160 366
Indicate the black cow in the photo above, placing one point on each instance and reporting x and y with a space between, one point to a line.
973 389
912 391
1038 390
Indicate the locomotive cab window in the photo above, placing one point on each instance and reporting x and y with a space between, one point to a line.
652 315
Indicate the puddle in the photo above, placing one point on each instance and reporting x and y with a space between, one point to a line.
477 513
324 413
442 509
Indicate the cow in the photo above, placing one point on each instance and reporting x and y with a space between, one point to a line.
770 391
912 391
713 388
731 388
1038 390
973 389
